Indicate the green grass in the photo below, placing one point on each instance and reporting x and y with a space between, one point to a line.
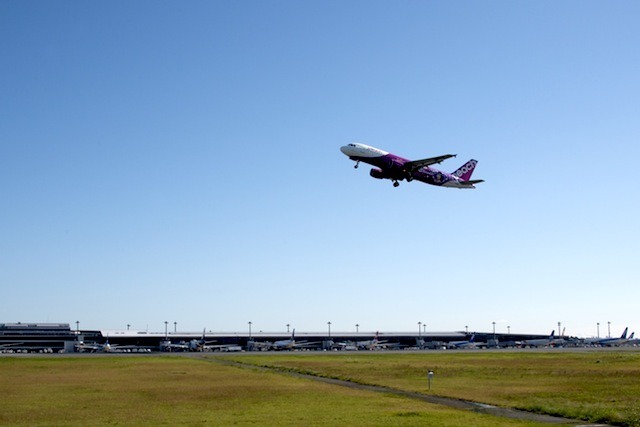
598 386
169 390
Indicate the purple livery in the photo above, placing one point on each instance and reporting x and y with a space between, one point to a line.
395 168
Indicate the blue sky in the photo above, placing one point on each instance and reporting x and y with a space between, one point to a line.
180 162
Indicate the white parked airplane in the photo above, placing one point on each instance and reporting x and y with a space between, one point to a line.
471 343
541 342
610 342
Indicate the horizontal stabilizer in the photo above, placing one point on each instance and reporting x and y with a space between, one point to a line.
473 181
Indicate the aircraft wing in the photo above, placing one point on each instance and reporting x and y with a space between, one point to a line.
304 344
217 346
417 164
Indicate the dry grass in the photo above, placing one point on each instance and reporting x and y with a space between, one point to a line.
595 386
164 390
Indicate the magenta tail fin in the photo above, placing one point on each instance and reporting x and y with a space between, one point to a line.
465 171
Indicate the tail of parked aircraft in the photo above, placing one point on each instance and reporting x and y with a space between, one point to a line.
465 171
624 334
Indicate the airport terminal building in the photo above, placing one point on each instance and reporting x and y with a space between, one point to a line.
58 337
36 337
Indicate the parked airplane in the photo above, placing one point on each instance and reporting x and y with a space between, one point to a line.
167 345
471 343
203 345
291 343
395 168
372 344
540 342
615 341
95 347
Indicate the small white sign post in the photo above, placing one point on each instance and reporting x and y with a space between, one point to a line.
429 378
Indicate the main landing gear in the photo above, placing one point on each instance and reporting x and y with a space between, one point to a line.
357 163
395 183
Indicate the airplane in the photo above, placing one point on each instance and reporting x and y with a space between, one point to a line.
541 341
371 344
291 343
167 345
471 343
395 168
95 347
616 341
559 342
203 345
253 345
423 344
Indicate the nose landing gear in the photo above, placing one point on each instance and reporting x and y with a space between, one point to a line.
395 183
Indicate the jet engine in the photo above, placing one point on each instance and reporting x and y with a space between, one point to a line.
378 174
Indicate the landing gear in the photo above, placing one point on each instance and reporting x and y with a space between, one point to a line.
357 163
396 183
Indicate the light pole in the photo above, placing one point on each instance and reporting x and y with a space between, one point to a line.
329 325
466 329
128 326
165 329
249 330
419 329
559 330
175 327
288 327
424 328
509 330
357 328
494 330
598 324
77 326
609 329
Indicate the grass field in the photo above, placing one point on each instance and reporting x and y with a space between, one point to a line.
598 386
174 390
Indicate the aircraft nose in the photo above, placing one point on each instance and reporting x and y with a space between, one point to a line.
345 149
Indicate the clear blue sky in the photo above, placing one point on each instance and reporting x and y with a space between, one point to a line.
180 162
